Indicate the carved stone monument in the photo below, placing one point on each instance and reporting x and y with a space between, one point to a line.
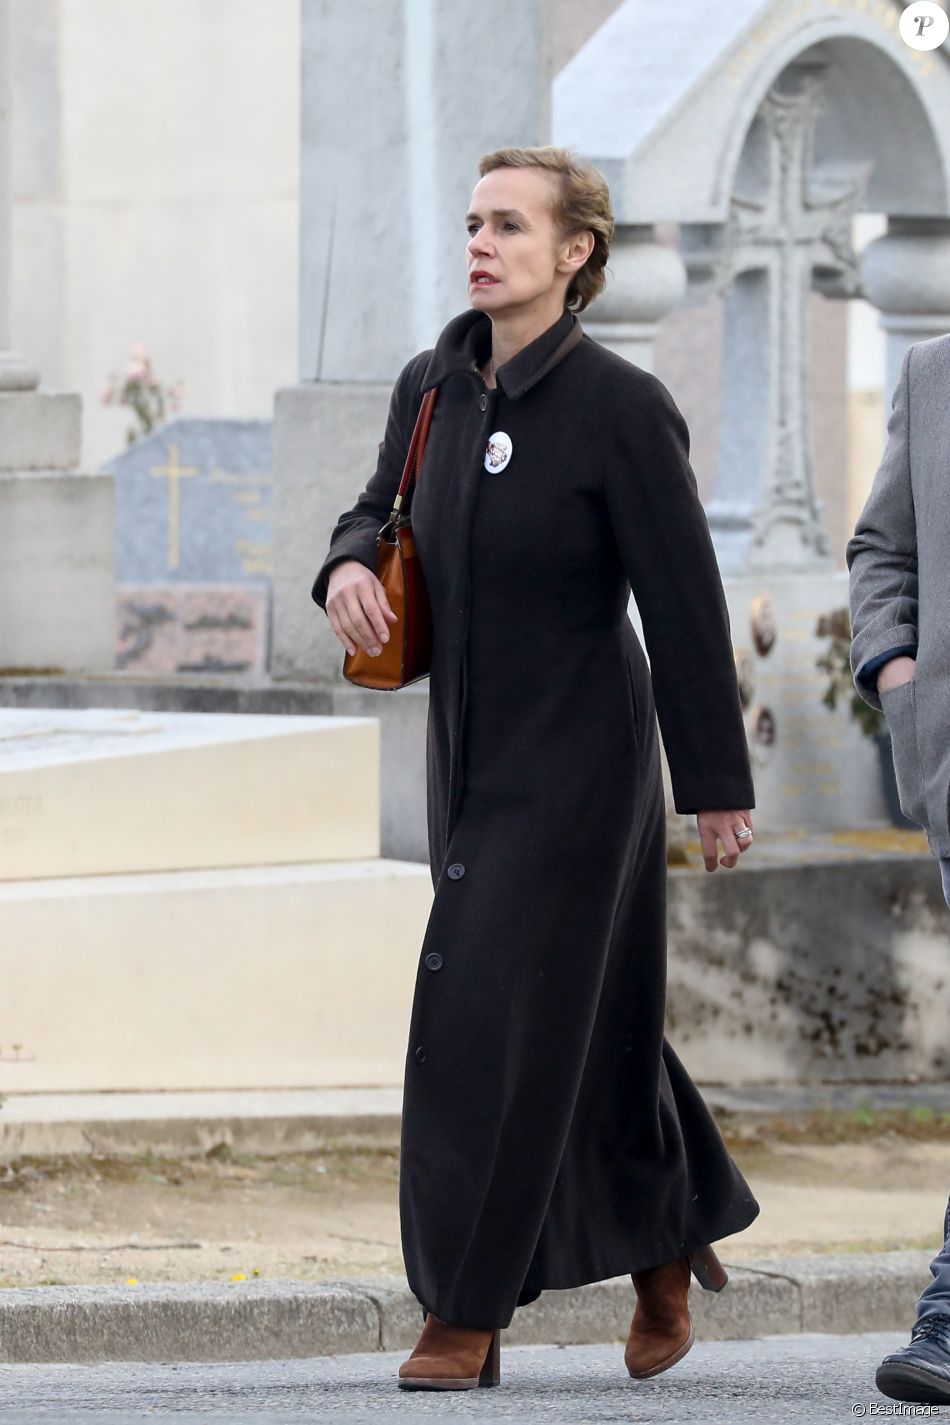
760 139
770 249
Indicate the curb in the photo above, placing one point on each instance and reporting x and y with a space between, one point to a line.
192 1124
196 1137
284 1320
267 1122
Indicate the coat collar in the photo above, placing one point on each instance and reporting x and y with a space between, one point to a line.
466 342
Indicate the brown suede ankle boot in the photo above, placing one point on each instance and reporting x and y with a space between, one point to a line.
452 1358
662 1330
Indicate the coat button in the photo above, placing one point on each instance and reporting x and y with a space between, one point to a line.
420 1055
483 402
456 871
434 960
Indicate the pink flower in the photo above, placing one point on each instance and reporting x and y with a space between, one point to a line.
107 395
139 350
137 371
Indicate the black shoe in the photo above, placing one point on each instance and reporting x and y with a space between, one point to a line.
921 1370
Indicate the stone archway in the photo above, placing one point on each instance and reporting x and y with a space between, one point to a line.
682 132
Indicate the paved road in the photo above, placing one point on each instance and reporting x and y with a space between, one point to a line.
784 1379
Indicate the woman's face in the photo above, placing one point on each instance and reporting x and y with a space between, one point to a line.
515 255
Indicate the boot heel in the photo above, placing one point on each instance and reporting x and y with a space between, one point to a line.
707 1269
490 1373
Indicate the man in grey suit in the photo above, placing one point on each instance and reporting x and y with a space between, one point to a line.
899 558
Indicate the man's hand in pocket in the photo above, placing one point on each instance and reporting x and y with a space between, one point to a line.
895 672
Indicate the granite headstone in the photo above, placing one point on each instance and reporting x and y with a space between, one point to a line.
194 559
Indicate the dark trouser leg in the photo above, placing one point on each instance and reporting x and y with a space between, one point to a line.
934 1300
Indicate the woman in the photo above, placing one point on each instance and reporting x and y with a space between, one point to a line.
550 1135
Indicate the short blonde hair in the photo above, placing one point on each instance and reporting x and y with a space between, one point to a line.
582 200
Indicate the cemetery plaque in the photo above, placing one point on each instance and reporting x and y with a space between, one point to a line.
194 557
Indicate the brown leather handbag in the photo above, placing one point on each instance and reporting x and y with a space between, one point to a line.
408 652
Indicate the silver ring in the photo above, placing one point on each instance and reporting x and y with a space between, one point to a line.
744 833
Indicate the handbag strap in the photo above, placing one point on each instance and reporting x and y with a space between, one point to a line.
417 447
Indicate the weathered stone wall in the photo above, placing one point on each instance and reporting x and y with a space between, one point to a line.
811 970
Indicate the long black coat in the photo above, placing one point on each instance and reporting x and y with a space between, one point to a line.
550 1135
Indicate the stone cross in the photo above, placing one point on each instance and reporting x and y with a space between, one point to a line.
777 248
173 472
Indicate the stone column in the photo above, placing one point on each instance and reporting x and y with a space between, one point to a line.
906 275
57 585
646 280
399 98
394 118
16 373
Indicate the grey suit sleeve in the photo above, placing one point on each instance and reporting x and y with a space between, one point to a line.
882 553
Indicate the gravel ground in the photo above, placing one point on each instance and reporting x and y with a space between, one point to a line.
313 1216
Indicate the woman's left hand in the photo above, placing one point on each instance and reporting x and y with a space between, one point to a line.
722 826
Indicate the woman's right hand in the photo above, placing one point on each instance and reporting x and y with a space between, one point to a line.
357 607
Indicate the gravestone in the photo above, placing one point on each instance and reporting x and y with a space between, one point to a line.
174 791
194 553
229 924
781 233
788 229
812 766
